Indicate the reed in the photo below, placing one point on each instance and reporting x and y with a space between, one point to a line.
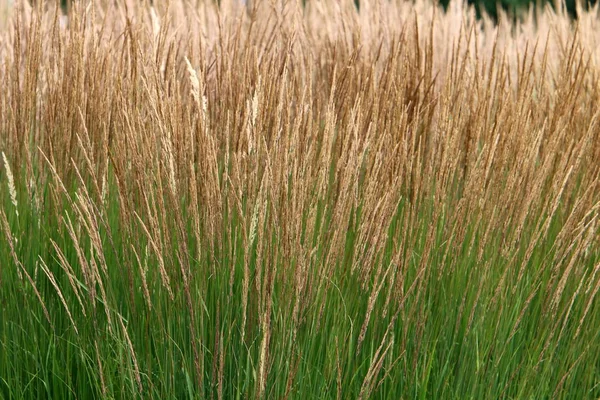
287 201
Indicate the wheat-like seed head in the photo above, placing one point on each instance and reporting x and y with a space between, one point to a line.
11 184
195 90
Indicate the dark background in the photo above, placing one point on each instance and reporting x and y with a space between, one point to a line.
514 6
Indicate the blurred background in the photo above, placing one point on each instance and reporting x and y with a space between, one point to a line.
490 7
514 7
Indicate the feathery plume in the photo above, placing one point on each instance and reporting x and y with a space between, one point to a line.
11 184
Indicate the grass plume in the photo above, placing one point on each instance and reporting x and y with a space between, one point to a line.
282 200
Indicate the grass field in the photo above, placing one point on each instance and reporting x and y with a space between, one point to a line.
307 203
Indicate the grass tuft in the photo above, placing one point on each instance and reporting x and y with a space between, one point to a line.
279 200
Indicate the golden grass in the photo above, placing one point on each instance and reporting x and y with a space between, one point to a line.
304 124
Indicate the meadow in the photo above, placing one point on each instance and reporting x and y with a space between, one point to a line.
304 202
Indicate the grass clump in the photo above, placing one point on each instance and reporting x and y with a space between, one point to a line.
204 201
